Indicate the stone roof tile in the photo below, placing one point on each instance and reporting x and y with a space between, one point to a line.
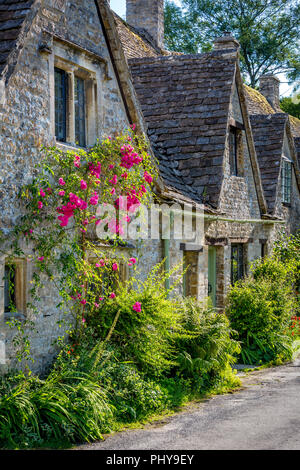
268 133
187 128
12 16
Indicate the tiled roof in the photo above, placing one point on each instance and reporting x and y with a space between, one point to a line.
137 43
12 16
268 133
258 104
185 101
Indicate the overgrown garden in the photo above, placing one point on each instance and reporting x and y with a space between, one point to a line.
130 350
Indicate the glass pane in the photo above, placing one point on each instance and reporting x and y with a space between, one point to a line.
286 185
80 112
9 288
60 105
233 151
237 262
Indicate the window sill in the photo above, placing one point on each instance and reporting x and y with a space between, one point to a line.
69 147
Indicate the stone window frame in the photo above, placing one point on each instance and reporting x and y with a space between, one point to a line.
20 286
81 64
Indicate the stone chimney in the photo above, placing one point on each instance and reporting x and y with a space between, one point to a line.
269 87
147 15
226 42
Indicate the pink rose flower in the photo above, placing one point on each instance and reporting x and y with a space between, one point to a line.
61 182
42 193
83 301
148 177
115 267
41 258
40 204
61 193
83 184
137 307
112 295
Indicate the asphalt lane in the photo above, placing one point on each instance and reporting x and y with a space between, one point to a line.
264 414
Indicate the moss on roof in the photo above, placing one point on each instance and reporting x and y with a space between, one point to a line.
258 101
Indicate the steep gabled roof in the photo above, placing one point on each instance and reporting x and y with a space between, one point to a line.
185 101
12 16
268 134
258 104
269 131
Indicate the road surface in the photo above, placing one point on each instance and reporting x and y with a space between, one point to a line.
265 414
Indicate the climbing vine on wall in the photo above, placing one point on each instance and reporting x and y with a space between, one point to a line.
61 216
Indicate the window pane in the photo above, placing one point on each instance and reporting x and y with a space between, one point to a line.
60 105
80 112
237 262
9 289
233 151
286 177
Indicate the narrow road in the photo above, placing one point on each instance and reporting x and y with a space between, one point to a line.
265 414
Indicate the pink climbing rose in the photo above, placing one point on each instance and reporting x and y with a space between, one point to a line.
137 307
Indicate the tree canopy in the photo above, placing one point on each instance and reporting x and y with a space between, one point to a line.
268 32
290 106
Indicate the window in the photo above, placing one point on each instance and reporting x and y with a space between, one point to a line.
61 83
80 112
286 181
15 287
73 101
233 150
9 288
263 249
190 281
237 262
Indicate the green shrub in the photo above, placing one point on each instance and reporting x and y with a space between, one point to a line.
206 349
147 337
260 308
65 407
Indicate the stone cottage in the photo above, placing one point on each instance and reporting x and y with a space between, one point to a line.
72 71
63 79
195 107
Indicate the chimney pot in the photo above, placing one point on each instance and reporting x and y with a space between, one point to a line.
225 42
269 87
147 15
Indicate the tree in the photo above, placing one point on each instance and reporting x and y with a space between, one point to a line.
290 106
268 32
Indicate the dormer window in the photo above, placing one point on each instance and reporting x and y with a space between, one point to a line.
286 181
236 152
233 150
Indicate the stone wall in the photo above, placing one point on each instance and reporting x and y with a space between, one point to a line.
26 123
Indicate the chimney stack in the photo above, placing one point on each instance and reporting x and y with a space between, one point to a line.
269 87
226 42
147 15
